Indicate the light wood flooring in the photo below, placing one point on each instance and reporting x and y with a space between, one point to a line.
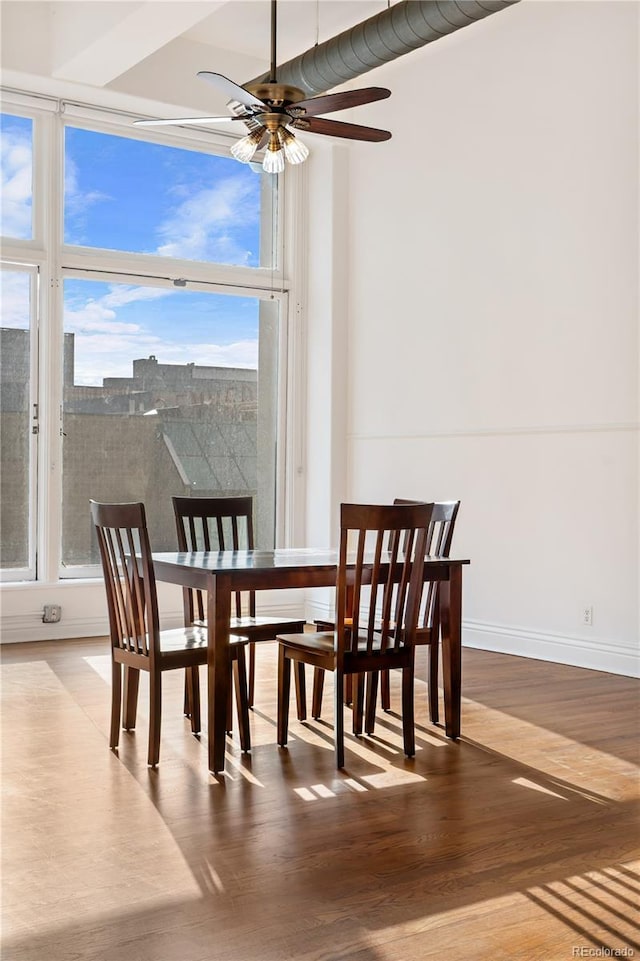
517 842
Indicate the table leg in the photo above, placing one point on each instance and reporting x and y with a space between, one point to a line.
451 623
218 666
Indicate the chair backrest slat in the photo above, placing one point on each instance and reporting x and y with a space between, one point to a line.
127 566
214 524
378 590
439 538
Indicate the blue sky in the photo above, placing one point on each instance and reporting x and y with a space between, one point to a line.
127 194
140 197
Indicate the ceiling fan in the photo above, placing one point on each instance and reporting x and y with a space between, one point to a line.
272 111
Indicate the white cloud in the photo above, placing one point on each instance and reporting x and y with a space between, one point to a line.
244 353
120 294
15 299
202 227
16 183
100 315
93 316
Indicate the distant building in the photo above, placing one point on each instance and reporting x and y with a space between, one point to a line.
168 429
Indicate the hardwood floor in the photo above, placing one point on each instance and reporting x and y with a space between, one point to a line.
517 842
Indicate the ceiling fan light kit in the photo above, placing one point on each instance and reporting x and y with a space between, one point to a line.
244 150
294 150
272 111
273 161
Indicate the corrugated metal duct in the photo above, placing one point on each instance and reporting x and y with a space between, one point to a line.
384 37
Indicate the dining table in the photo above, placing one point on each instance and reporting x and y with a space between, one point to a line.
221 573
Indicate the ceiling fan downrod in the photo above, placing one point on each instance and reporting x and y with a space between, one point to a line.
274 27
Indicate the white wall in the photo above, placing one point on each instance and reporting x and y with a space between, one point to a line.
493 318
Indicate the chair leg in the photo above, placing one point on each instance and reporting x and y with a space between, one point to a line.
131 684
372 695
348 688
116 699
155 715
433 681
284 690
229 723
358 703
242 701
252 672
385 691
408 720
187 702
318 687
193 688
338 722
301 690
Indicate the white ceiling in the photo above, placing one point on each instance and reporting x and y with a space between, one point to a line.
244 26
96 42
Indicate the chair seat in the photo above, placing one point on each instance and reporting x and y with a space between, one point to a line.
190 638
325 643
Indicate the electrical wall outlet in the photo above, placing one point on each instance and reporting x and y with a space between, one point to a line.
51 613
587 616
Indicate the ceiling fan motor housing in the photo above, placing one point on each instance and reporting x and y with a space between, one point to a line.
275 94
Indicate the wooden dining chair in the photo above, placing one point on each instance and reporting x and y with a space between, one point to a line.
377 609
226 524
439 538
137 643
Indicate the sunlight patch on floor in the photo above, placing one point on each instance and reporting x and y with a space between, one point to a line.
42 814
214 879
600 906
581 913
240 769
101 664
584 766
354 785
525 782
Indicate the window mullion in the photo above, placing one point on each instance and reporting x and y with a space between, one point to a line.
49 178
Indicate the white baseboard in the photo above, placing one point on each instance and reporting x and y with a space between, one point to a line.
575 651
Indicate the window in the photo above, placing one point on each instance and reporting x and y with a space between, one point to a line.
143 331
163 395
139 197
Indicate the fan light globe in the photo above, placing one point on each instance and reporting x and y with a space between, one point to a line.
294 150
273 161
243 150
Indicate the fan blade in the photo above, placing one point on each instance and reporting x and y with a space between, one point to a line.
339 101
230 89
333 128
160 123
